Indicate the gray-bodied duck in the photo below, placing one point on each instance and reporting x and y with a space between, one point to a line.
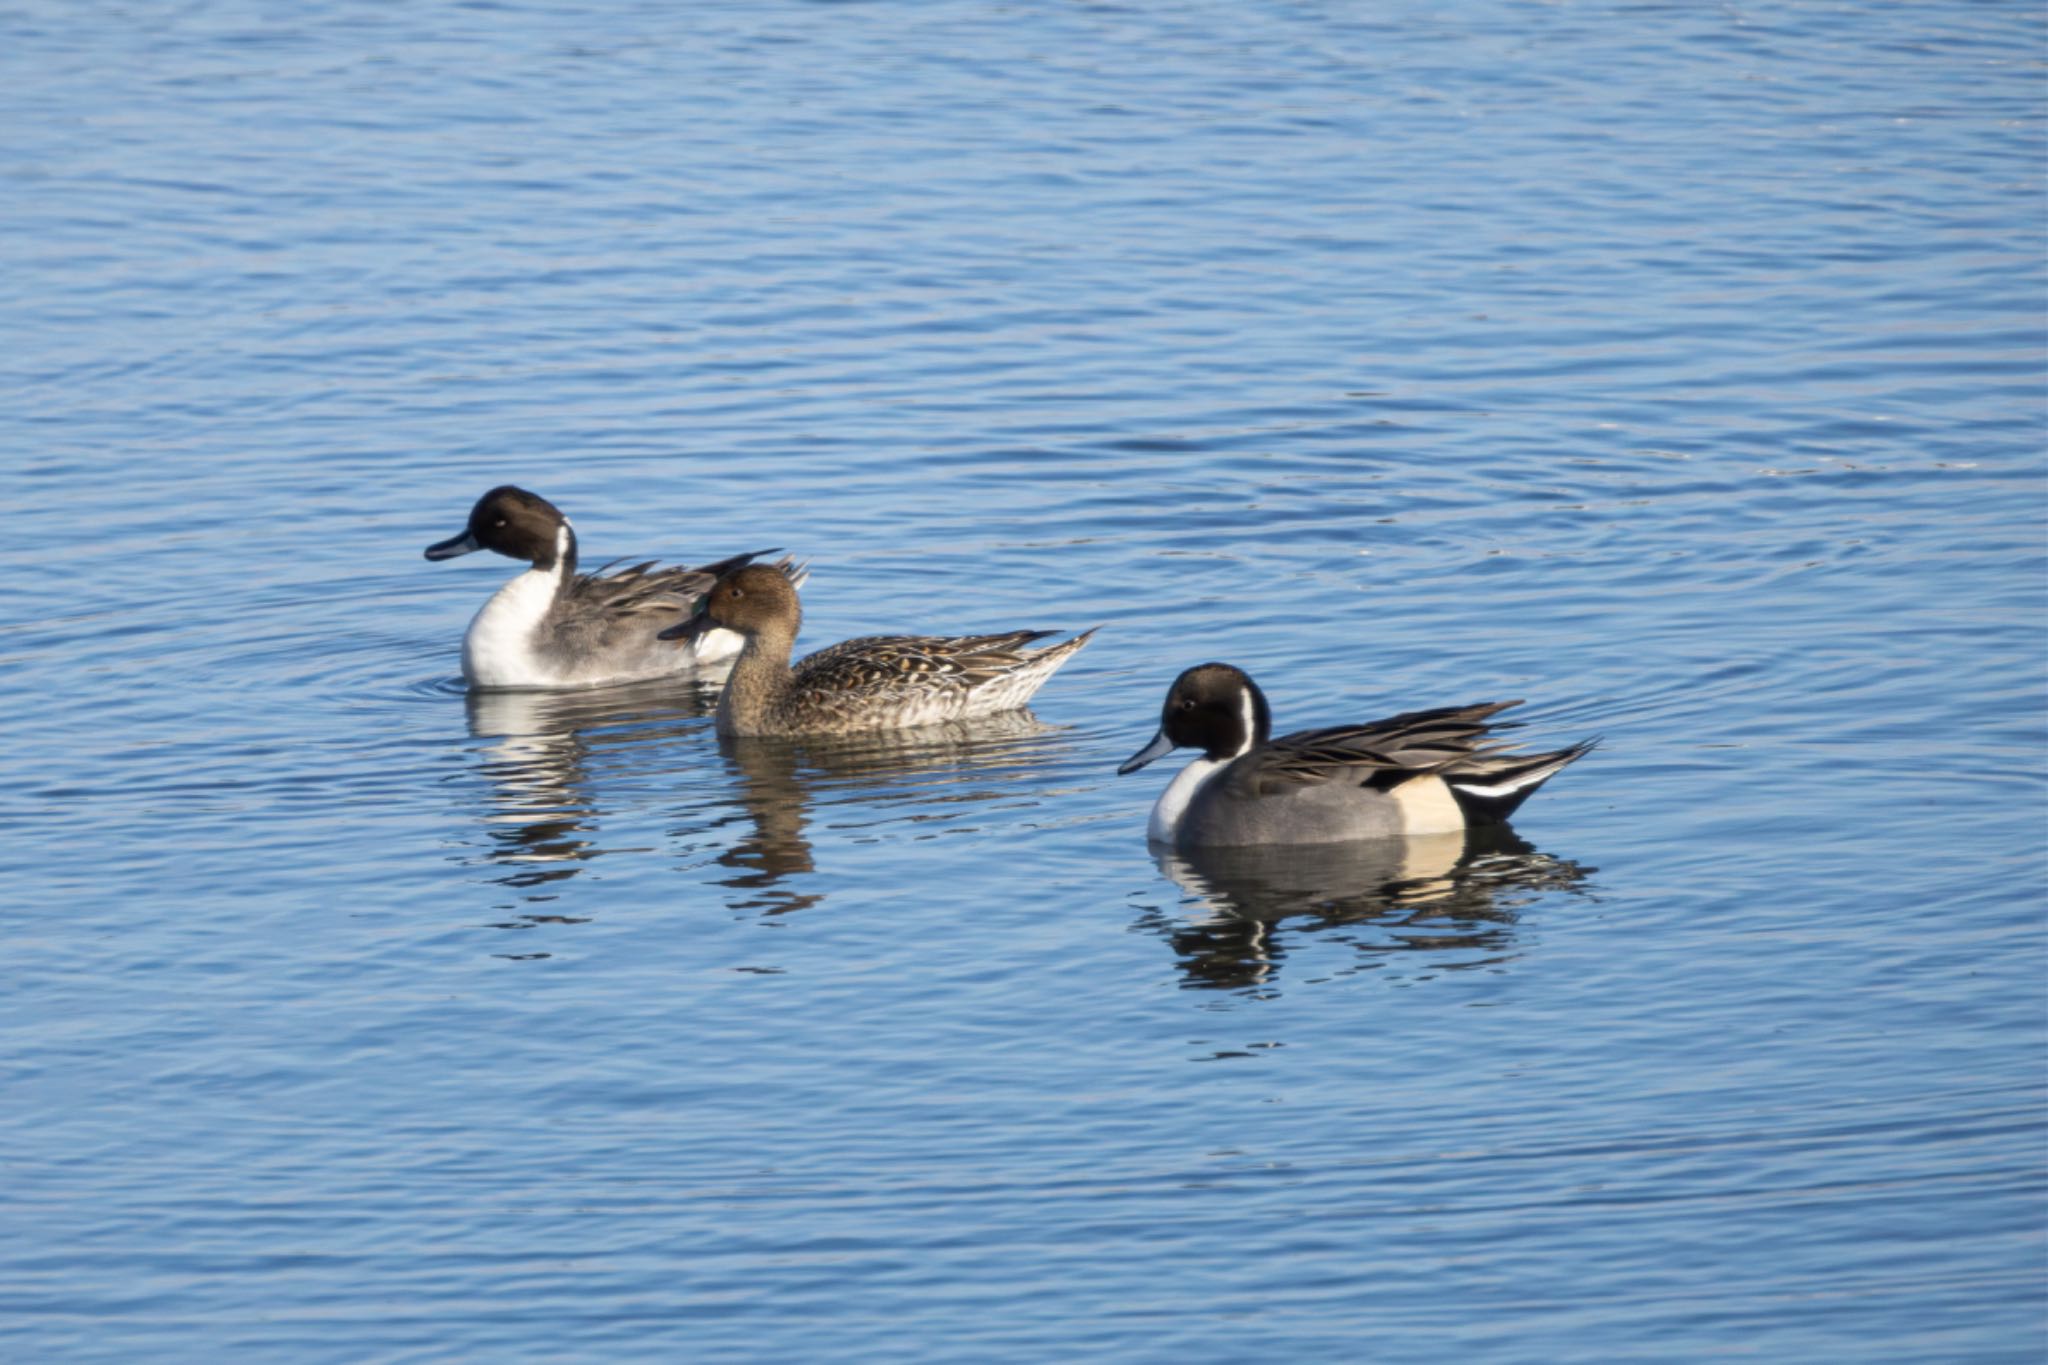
554 627
876 682
1418 773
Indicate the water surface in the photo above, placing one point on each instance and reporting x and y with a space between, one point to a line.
1677 368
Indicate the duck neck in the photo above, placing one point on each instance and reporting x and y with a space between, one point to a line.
759 681
1251 727
559 560
1164 826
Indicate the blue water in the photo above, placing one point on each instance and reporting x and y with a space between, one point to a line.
1680 368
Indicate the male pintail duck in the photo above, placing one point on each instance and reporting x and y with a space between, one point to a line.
877 682
554 627
1423 772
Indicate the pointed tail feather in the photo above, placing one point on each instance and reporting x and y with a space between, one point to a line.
797 571
1489 790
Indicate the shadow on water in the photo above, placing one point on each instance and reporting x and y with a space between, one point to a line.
539 753
1453 897
914 776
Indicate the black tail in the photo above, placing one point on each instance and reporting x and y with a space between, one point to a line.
1489 789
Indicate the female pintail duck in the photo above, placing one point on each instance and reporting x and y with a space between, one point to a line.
877 682
554 627
1423 772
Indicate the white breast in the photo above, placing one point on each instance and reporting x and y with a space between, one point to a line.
1173 802
714 646
498 650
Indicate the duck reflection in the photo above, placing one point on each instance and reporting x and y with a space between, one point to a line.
780 782
539 748
773 802
1453 897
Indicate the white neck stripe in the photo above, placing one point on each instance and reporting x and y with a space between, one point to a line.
1173 802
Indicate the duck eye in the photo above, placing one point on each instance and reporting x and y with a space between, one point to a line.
500 522
738 593
1187 703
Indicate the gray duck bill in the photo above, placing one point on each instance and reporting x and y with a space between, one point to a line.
453 546
1160 747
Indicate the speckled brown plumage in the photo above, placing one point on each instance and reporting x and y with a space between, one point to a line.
873 682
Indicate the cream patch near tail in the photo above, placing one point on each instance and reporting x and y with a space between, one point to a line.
1427 806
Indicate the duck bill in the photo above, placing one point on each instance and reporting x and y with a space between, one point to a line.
1160 747
453 546
692 630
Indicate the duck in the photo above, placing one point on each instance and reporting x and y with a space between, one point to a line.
1416 774
552 627
875 682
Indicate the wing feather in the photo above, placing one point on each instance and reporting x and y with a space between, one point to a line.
1382 753
645 590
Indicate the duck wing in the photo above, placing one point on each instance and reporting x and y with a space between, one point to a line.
649 591
1381 753
922 663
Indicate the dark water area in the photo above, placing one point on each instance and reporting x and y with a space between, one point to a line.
1681 369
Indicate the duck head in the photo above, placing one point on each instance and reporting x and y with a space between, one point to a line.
754 600
1212 707
515 523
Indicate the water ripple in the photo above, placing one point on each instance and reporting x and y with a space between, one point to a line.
1673 367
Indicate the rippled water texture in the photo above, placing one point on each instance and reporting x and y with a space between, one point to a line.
1679 368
